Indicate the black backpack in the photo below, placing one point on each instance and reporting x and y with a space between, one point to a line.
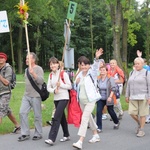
13 77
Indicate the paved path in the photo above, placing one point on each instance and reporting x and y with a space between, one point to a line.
122 139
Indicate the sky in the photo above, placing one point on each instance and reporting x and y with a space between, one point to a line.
140 1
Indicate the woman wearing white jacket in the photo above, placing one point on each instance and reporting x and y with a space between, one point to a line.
88 72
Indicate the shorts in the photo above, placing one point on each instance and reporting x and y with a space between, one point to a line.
4 105
138 107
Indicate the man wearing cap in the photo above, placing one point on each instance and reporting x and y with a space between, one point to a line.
5 91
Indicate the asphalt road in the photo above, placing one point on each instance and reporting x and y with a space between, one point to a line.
122 139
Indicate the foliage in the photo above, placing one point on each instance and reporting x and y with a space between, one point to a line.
46 18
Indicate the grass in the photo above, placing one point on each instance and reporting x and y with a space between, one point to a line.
7 126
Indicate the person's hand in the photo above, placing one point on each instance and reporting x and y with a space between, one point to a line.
98 53
109 99
127 99
58 84
139 53
56 91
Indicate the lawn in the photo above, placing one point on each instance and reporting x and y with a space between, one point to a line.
17 93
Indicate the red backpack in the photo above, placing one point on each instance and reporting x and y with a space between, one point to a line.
74 112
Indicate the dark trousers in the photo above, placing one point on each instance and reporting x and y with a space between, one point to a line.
59 118
110 108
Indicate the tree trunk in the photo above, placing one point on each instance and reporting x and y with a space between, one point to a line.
116 13
147 33
20 60
91 29
12 50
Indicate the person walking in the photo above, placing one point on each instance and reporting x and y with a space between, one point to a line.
88 72
61 97
138 95
107 89
31 99
119 77
5 92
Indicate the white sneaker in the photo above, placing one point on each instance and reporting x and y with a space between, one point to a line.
50 142
77 145
64 139
95 139
104 117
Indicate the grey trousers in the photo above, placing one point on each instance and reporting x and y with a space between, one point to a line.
27 104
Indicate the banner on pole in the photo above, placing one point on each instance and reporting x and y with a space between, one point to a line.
67 33
69 58
71 10
4 26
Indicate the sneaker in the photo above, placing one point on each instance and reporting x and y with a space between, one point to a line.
16 130
120 116
104 117
49 122
140 133
95 139
77 145
50 142
99 130
36 137
116 126
23 138
64 139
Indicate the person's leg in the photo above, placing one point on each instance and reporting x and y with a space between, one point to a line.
60 107
36 104
104 113
87 110
64 125
113 116
13 119
24 110
100 106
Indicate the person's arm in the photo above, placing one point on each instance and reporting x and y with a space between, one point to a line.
7 78
139 53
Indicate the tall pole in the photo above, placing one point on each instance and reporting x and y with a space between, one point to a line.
22 2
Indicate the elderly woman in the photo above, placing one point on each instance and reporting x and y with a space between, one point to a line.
107 89
138 95
118 75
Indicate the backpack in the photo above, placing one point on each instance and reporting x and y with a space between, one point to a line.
13 77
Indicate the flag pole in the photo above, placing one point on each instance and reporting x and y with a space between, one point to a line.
22 2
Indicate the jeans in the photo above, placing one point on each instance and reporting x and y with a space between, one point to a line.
110 108
59 118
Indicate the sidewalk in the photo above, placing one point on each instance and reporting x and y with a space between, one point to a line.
122 139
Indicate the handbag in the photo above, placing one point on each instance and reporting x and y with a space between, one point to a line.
94 95
43 91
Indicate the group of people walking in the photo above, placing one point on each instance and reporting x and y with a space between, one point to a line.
107 79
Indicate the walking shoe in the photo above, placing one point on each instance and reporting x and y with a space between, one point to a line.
64 139
23 138
95 139
141 133
49 122
16 130
120 116
104 117
50 142
77 145
36 137
116 126
99 130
